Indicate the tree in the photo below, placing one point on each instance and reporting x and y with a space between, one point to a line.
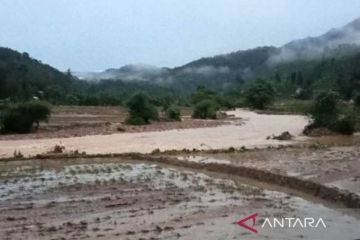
345 124
325 110
259 94
68 73
277 77
326 113
72 99
357 99
166 102
201 94
205 109
23 117
173 113
141 111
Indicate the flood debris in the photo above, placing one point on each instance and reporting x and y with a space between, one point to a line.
57 149
285 136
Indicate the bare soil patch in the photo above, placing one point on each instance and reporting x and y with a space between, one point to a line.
77 121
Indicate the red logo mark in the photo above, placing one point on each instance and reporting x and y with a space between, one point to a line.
242 223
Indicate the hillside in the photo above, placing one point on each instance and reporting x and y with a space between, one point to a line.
139 72
315 47
228 71
22 77
330 61
335 44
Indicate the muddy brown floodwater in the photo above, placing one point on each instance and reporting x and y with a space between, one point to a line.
127 199
246 128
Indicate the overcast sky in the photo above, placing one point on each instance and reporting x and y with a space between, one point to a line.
87 35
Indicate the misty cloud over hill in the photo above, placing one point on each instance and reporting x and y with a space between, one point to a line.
140 72
329 61
314 47
228 69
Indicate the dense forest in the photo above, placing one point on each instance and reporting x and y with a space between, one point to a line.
23 78
337 70
298 69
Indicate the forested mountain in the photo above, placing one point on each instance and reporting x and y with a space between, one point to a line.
317 47
304 49
327 58
305 58
139 72
298 68
22 77
338 69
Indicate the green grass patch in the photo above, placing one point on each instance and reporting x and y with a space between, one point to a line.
291 106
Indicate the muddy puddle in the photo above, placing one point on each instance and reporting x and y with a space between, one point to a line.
123 199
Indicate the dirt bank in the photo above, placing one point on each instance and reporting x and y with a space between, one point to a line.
328 193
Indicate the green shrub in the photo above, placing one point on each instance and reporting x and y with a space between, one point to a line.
23 117
240 103
141 111
225 102
325 111
344 125
291 105
205 109
173 113
72 99
357 100
201 94
259 94
135 121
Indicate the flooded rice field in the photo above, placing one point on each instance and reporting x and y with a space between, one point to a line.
337 166
126 199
